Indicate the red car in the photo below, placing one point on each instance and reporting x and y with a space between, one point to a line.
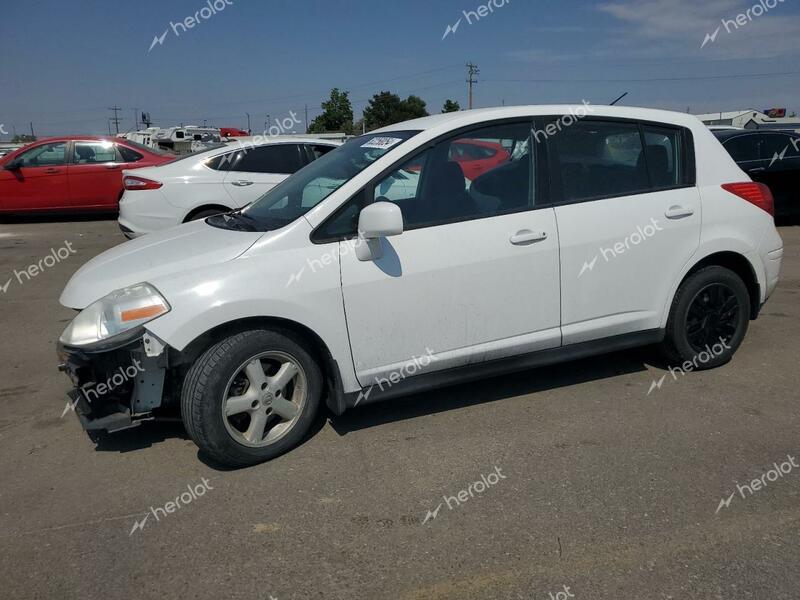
77 173
476 157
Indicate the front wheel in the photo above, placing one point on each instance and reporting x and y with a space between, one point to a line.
708 319
251 397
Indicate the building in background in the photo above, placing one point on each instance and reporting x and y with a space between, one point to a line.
774 118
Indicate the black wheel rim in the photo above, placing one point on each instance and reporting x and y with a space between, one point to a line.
713 317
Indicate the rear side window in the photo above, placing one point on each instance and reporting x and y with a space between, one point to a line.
598 159
744 148
128 155
89 153
277 158
319 150
663 155
777 145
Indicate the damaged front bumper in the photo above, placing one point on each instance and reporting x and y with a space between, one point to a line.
117 388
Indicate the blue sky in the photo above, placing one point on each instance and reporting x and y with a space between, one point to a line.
64 63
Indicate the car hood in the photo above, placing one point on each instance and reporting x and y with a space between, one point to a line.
190 246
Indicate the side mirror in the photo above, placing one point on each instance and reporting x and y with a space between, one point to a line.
14 165
379 220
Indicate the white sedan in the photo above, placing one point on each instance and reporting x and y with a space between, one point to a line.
208 183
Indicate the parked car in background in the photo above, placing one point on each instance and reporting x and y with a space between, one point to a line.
772 158
638 229
66 174
476 157
224 178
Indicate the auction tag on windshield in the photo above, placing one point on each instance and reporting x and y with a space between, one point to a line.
382 143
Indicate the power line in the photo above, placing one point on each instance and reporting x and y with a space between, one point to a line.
646 80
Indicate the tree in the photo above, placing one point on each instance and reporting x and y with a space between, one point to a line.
337 114
451 106
387 108
23 139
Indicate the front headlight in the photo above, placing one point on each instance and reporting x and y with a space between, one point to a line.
119 312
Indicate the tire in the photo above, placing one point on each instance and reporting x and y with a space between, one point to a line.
708 319
223 405
204 214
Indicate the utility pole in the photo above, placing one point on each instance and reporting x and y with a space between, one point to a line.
472 71
306 118
248 122
116 119
33 135
135 119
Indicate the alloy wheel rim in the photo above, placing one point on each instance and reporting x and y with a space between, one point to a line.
264 399
713 317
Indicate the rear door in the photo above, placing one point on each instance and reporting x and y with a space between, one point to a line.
629 218
95 175
41 183
255 171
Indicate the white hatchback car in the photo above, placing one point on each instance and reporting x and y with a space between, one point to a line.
624 228
218 180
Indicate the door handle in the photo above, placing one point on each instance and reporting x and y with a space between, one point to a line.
112 166
241 183
526 236
52 171
678 212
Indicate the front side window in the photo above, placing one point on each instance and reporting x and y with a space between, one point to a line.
278 158
304 190
89 153
598 159
441 186
46 155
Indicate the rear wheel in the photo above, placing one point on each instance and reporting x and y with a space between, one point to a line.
251 397
708 319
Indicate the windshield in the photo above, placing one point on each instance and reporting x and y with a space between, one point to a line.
308 187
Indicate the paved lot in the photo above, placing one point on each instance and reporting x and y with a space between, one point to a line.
605 489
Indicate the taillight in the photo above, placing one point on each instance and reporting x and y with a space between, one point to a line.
140 183
755 193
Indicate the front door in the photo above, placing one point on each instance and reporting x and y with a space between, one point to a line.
474 275
40 184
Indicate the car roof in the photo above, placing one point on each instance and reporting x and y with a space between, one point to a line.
724 135
469 117
264 140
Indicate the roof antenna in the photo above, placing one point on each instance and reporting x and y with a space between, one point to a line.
618 99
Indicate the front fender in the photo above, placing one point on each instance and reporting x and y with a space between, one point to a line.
280 279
